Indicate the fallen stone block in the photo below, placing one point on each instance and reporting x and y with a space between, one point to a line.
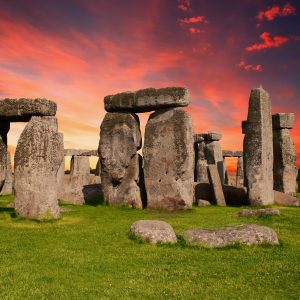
258 212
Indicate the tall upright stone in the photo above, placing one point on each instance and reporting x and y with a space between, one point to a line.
240 172
38 157
201 174
258 149
120 139
169 159
61 175
285 169
8 184
4 128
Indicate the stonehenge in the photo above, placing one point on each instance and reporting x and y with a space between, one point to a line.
174 169
258 149
164 177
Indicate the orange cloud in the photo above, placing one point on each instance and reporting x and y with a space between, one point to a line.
184 5
269 41
193 20
249 67
276 11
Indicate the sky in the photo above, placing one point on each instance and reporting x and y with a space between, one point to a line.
77 51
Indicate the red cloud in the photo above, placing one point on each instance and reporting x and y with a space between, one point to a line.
193 20
194 30
249 67
184 5
268 42
276 11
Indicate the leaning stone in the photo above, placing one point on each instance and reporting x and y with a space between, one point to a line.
285 199
80 152
283 120
258 212
202 202
214 156
169 159
8 184
285 167
38 157
120 138
154 231
21 110
248 234
147 100
216 185
258 149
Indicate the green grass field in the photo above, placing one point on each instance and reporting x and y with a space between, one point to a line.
88 255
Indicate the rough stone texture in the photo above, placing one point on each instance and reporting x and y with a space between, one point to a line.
240 172
147 99
201 163
213 136
258 149
285 199
202 202
21 110
235 196
248 234
80 152
285 157
8 184
98 168
60 178
79 177
169 160
154 231
258 212
216 185
283 120
120 138
198 137
214 156
38 157
231 153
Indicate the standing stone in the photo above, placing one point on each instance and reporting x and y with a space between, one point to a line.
258 149
201 162
214 153
240 172
38 157
4 128
60 176
216 185
169 159
120 138
8 184
285 169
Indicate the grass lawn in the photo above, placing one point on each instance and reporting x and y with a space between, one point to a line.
88 255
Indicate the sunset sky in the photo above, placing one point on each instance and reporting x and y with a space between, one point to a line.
77 51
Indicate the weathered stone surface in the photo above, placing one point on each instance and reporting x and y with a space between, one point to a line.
147 100
237 153
240 172
4 128
213 136
258 212
285 157
154 231
60 178
21 110
248 234
203 192
79 177
216 185
235 196
283 120
258 149
169 159
98 168
80 152
120 138
202 202
38 157
285 199
227 153
201 163
8 184
214 156
198 137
